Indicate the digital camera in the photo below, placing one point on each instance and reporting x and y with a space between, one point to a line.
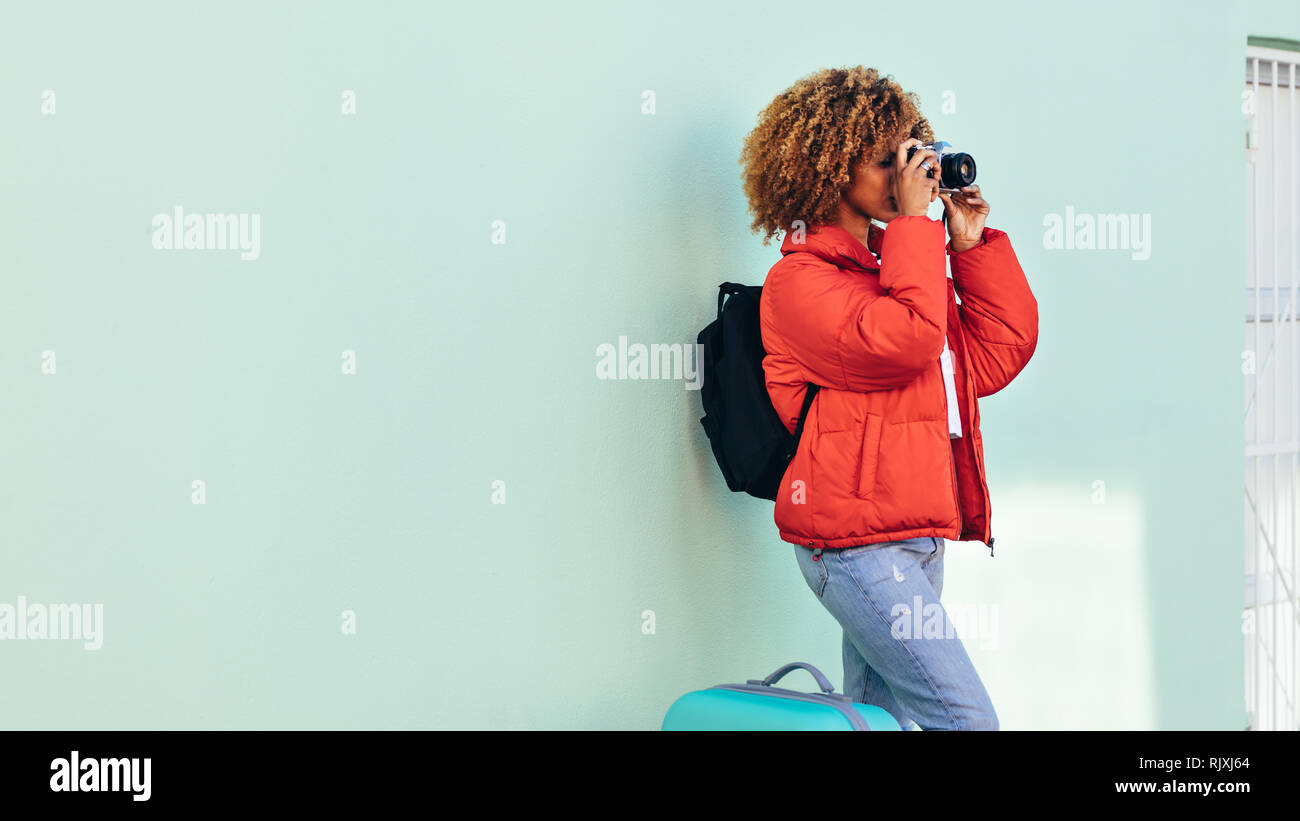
956 169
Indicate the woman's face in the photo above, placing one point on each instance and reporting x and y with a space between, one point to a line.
871 192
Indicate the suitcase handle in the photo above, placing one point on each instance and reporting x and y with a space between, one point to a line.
822 682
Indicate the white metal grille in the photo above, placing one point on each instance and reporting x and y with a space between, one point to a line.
1272 413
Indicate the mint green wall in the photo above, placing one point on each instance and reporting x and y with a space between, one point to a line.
1115 604
1273 18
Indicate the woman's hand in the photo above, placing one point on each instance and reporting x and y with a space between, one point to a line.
913 190
965 214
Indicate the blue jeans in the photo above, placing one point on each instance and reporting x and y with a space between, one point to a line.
900 650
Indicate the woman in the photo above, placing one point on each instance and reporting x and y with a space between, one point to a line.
891 462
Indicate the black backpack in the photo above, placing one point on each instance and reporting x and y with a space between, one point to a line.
749 440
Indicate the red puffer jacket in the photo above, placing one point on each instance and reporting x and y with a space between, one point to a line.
877 462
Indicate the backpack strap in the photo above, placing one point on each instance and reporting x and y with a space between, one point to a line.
808 395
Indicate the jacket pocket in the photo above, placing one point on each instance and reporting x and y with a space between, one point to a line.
914 481
869 458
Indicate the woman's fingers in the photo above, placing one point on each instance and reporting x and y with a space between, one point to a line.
924 176
902 150
923 156
971 200
917 177
970 195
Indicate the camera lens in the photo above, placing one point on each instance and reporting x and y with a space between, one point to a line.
958 170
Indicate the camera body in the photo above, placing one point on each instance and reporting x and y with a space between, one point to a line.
956 168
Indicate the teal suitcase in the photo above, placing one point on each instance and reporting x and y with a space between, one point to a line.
757 705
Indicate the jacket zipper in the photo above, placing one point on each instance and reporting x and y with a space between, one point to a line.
953 460
956 494
954 485
952 464
986 511
983 481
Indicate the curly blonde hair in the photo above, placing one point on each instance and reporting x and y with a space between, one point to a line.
810 138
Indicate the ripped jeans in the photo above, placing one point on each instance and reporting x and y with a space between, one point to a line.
894 657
